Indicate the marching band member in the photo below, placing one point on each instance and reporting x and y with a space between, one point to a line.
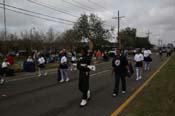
138 58
120 70
82 66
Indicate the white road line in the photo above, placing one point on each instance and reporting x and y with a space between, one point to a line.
12 80
99 73
20 79
28 77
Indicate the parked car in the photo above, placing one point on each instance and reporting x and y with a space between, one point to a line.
112 53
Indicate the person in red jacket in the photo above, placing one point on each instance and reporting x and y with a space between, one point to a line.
10 59
98 54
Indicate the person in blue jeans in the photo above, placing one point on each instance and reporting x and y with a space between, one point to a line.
120 70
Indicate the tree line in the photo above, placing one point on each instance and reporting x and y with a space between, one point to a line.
90 27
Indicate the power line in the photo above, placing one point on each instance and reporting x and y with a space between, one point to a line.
51 7
96 4
37 16
88 7
83 4
37 13
104 2
75 5
100 6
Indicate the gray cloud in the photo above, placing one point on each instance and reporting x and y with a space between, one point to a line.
157 16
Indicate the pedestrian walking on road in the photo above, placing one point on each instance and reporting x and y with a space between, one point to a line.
84 71
64 68
120 70
160 53
147 59
41 66
73 62
138 58
4 71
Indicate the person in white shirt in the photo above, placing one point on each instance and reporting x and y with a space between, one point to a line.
73 62
138 58
41 66
64 68
147 58
29 59
4 69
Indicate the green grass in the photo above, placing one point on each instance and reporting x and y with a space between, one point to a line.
158 98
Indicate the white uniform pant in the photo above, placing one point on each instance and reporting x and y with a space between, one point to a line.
138 73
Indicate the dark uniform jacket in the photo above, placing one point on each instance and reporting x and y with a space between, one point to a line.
82 64
119 64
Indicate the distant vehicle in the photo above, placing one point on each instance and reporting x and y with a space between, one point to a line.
22 53
170 45
12 53
112 53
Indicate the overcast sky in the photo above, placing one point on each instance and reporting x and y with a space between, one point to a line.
158 16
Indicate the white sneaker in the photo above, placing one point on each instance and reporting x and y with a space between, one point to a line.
137 78
140 77
88 94
67 79
61 80
39 75
114 95
2 81
123 92
83 102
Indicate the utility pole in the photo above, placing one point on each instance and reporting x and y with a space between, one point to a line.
119 38
148 34
5 30
159 43
31 38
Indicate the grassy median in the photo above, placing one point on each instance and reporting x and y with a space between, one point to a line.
158 98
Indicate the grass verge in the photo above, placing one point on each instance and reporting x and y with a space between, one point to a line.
158 98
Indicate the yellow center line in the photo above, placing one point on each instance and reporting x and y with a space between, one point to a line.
122 106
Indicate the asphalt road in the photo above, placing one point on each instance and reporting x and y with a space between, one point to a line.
29 95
